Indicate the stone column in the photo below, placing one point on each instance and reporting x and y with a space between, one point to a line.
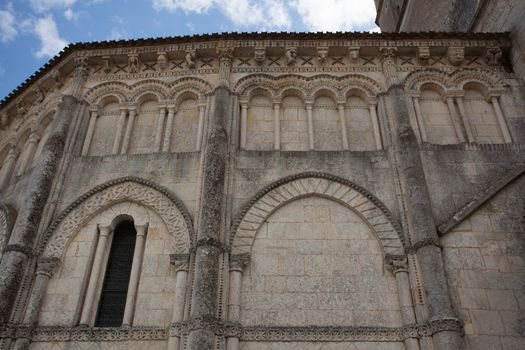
180 261
89 134
420 227
342 121
464 119
309 113
44 271
134 278
375 125
86 318
16 254
244 122
420 119
210 225
237 265
160 129
129 130
80 76
120 128
200 127
399 267
169 130
501 119
8 167
455 119
29 152
277 125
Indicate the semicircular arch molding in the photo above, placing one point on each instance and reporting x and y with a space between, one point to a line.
245 85
415 80
286 190
120 90
487 78
198 86
170 209
146 87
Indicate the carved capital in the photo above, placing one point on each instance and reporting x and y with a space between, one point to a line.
456 55
180 261
81 65
225 53
396 263
388 53
47 265
239 261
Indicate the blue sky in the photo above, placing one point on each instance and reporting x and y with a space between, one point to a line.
33 31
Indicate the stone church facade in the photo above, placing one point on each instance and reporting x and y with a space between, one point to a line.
265 192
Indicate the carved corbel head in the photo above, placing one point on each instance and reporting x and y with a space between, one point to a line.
133 63
259 54
191 56
21 108
353 53
56 76
322 53
291 55
107 65
423 53
456 55
162 60
493 55
40 93
388 53
4 120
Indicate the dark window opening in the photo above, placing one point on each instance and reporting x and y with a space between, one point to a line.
110 311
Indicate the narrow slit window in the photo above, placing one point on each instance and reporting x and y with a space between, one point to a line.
115 287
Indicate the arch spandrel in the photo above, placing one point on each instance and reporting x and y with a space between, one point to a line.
169 209
282 192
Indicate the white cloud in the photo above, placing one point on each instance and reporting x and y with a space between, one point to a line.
264 14
336 15
117 34
71 15
46 5
50 41
7 26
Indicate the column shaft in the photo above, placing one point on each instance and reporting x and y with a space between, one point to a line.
276 126
406 304
86 318
375 126
8 167
169 130
160 129
455 120
118 134
200 127
420 119
178 304
28 153
464 119
136 268
129 130
244 124
342 121
501 120
89 134
311 141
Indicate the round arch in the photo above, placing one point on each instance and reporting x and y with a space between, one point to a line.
148 87
98 92
198 86
415 80
284 191
131 189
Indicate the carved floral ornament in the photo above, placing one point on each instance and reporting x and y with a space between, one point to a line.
171 211
282 192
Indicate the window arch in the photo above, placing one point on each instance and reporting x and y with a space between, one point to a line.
105 128
294 122
481 114
359 124
114 291
185 125
143 130
327 124
436 116
259 123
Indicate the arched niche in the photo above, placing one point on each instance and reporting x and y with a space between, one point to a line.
185 123
326 122
44 130
436 115
358 121
294 121
317 245
105 126
260 121
481 114
23 149
144 125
